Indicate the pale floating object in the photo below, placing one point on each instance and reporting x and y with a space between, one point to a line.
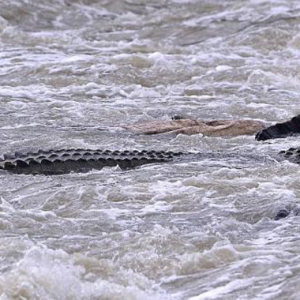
190 127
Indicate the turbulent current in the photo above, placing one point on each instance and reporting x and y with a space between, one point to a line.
73 73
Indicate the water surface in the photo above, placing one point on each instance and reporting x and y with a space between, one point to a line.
72 73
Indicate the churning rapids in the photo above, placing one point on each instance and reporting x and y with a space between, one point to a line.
72 73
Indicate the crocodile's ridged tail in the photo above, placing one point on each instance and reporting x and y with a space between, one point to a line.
54 162
280 130
292 154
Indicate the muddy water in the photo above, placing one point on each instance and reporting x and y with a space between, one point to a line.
72 73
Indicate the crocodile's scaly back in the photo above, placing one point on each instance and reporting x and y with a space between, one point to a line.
54 162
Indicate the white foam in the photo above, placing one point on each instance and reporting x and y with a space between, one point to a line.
54 274
16 93
219 292
223 68
3 24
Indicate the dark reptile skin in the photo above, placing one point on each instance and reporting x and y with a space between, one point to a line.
280 130
292 154
54 162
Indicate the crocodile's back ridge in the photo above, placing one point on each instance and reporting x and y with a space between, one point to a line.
54 162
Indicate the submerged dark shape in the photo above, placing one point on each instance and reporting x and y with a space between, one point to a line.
282 213
55 162
292 154
287 211
280 130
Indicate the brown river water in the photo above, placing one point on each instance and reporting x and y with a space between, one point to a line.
72 73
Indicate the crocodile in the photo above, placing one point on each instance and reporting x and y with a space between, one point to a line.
55 162
63 161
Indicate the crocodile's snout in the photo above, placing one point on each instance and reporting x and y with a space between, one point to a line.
280 130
